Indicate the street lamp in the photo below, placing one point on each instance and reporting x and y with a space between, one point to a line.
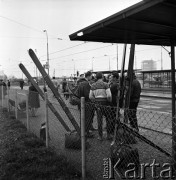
47 49
92 63
109 60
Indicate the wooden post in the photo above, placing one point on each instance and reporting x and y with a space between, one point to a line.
83 145
8 106
16 104
173 106
2 94
46 120
27 111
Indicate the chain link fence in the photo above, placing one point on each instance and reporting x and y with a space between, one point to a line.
143 152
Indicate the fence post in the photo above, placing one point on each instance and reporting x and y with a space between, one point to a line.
2 96
83 144
46 119
27 111
16 104
8 106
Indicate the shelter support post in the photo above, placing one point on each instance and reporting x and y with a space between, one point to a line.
83 140
173 106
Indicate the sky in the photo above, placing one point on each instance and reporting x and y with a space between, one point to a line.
21 27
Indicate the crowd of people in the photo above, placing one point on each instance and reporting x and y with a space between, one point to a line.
100 94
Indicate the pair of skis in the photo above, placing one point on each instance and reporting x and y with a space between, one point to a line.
53 89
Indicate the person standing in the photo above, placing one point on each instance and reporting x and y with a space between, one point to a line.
134 100
34 100
65 88
83 91
8 84
114 87
21 84
101 94
54 80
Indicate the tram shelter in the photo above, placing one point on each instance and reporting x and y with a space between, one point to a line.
149 22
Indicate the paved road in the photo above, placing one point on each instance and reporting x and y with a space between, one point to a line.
148 100
156 104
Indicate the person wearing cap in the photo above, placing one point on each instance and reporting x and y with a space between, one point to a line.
134 100
100 93
83 91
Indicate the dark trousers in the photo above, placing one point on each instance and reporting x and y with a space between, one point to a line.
112 119
132 115
103 110
89 115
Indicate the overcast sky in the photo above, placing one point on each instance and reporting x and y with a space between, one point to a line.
21 27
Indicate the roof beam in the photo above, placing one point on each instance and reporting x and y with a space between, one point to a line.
137 32
169 4
152 24
129 41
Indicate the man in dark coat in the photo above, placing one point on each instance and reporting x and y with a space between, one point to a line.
83 91
114 87
134 100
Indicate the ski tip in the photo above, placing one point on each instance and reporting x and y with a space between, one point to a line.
20 65
30 51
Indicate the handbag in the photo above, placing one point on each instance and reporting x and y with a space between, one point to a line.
73 100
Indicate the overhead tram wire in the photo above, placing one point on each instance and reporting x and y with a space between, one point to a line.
63 49
167 51
79 52
85 42
29 27
84 59
26 26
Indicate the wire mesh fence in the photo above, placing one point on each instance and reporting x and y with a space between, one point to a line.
135 152
132 148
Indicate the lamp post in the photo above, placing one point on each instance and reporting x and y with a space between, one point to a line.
47 49
92 63
109 60
161 59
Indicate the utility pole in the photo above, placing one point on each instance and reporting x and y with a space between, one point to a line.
161 59
117 59
109 60
47 51
92 63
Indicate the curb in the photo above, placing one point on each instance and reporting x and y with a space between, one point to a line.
157 97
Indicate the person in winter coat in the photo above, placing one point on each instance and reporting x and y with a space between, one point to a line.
83 91
134 100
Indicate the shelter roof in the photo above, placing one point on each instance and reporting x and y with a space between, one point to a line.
149 22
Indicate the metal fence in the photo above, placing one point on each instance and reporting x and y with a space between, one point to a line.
127 153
